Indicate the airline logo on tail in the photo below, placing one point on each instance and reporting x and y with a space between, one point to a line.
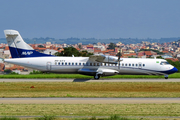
19 48
27 53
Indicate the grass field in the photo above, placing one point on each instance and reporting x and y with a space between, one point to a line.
175 75
90 109
88 89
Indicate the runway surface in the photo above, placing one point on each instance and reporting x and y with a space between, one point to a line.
90 80
88 100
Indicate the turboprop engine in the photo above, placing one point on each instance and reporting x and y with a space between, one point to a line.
110 59
105 58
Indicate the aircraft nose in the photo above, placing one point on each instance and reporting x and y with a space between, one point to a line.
174 70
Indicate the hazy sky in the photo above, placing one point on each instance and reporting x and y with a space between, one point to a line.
91 18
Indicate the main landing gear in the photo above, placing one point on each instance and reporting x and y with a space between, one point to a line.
166 76
97 76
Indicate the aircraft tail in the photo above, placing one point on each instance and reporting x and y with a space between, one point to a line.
19 48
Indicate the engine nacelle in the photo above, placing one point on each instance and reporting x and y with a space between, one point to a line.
108 59
108 72
105 58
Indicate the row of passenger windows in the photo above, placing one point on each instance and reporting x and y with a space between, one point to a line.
100 64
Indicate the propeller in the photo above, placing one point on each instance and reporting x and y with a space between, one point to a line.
119 56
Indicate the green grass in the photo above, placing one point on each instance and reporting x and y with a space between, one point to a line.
46 117
9 118
113 117
90 89
175 75
89 109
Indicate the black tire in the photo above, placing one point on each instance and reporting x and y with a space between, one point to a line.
96 77
166 77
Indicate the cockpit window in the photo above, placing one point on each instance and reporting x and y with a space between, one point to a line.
164 63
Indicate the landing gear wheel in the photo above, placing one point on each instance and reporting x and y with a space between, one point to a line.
96 77
166 76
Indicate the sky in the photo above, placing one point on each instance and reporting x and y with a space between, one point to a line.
91 18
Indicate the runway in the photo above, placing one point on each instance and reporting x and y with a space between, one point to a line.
88 100
90 80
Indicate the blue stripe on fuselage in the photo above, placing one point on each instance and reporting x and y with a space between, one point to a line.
22 53
173 70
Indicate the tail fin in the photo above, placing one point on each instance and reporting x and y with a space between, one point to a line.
17 46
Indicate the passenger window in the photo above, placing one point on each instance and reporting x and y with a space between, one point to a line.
140 65
76 64
59 63
129 64
56 62
143 65
62 63
94 64
79 63
65 63
136 65
125 64
72 63
90 64
84 64
133 65
69 63
97 64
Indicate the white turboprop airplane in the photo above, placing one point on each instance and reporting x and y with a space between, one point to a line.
95 65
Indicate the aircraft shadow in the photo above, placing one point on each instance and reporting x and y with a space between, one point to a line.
81 80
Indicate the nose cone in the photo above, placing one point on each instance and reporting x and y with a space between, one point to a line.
174 70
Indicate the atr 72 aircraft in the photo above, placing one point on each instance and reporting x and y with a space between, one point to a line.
95 65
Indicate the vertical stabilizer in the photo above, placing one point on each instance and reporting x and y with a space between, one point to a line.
17 46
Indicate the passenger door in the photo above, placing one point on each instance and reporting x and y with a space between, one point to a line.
48 66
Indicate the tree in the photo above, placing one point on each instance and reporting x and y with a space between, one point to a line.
175 64
40 46
73 51
58 54
70 51
80 46
157 51
112 46
84 53
159 57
